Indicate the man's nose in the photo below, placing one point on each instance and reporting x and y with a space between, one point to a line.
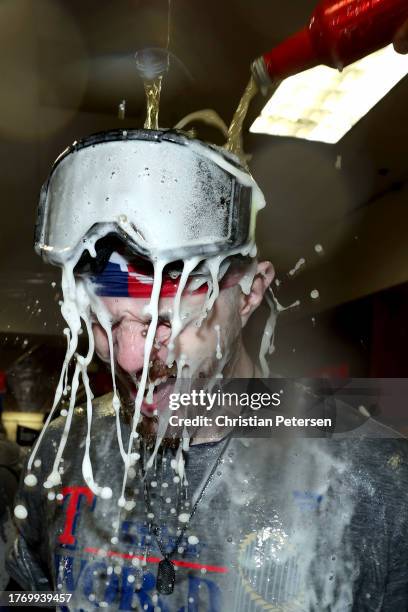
131 344
163 333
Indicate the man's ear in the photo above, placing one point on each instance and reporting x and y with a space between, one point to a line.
263 277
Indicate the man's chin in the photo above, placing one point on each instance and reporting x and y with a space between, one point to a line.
157 402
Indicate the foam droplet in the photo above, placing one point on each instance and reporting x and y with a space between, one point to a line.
30 480
106 493
218 353
184 517
314 294
54 478
20 512
299 264
363 410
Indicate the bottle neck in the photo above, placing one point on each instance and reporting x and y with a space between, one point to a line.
293 55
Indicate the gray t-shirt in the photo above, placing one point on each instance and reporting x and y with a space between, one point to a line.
283 524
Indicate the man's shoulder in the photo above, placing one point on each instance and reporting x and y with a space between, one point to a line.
352 423
375 453
101 409
102 422
10 454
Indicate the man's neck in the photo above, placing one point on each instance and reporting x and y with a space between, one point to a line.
242 366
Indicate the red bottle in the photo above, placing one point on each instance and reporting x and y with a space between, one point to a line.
339 33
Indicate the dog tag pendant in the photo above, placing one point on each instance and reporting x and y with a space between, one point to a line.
166 577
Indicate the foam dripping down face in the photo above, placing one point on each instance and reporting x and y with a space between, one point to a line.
157 343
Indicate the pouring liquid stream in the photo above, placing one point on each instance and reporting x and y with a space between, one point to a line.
152 90
234 141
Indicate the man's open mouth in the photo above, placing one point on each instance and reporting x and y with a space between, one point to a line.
164 378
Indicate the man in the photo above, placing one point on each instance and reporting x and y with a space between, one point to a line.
155 233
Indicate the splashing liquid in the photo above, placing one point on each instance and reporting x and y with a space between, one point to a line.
218 352
268 336
234 142
298 265
208 116
152 91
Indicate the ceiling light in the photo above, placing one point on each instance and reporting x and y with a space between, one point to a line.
323 104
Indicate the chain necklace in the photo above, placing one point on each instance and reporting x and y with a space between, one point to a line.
166 574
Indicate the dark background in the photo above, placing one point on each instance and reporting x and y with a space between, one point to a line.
66 65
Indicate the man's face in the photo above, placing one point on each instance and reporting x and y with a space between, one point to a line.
199 346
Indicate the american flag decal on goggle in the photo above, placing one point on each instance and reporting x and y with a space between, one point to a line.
122 279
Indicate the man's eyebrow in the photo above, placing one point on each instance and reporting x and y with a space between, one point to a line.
164 317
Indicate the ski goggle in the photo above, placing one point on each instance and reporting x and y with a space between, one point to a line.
164 194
